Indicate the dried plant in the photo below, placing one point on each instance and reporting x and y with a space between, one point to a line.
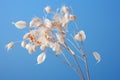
53 37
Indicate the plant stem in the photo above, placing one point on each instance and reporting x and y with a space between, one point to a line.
85 61
76 61
67 63
87 69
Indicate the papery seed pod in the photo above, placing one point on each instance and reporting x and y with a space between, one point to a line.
28 46
58 51
42 47
72 17
23 44
80 36
97 56
76 37
20 24
65 9
56 47
48 23
35 22
51 45
30 50
60 38
10 45
66 18
26 36
48 9
34 47
41 58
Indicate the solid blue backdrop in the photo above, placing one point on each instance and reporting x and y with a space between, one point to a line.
99 18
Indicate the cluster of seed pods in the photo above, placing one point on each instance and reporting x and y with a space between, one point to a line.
45 32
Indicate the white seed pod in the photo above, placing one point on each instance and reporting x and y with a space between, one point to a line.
56 48
30 50
10 45
59 50
23 44
66 18
48 9
28 46
42 47
72 17
48 23
60 38
41 58
35 22
51 45
26 35
65 9
34 47
80 36
97 56
76 37
20 24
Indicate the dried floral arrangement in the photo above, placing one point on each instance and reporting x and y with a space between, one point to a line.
50 35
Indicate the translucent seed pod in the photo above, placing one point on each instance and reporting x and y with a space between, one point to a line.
23 44
65 9
26 35
60 38
41 58
48 9
10 45
42 47
30 50
20 24
28 46
56 47
76 37
34 47
48 23
80 36
35 22
72 17
97 56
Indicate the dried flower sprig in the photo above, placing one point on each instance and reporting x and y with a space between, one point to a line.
52 33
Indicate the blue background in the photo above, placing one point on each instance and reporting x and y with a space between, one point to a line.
99 18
